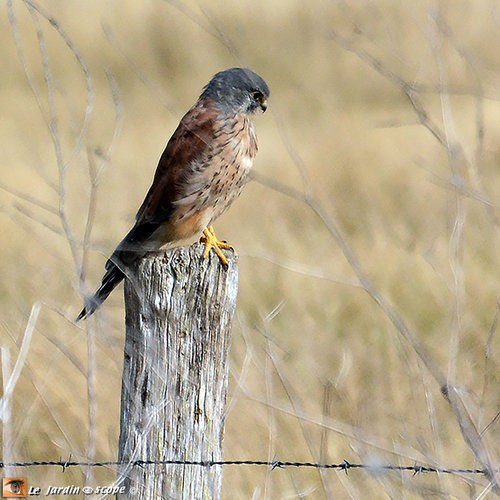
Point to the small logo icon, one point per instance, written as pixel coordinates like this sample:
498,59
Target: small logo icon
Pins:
14,487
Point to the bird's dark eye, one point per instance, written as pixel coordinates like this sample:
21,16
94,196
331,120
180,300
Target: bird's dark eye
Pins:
257,95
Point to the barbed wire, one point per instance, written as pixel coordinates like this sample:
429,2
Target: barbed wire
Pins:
273,464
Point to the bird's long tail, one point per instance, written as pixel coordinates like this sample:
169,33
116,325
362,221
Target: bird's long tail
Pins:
131,248
110,280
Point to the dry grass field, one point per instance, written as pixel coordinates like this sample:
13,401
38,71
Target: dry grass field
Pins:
369,241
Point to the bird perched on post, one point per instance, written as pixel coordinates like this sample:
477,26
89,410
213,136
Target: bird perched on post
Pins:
203,169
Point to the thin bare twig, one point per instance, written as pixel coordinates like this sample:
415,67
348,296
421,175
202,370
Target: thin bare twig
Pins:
456,159
30,199
300,268
90,214
487,369
54,134
89,98
10,384
211,28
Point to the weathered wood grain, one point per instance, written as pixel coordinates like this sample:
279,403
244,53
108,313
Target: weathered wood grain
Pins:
179,309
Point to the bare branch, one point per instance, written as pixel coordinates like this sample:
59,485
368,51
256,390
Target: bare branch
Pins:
10,384
30,199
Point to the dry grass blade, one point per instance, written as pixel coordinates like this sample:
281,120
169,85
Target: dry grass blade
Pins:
11,381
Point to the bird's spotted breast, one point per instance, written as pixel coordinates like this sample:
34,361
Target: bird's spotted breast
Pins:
233,174
218,177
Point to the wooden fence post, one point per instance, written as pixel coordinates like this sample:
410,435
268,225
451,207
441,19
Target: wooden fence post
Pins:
179,308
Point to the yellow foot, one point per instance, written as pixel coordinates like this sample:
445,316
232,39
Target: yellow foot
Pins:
210,241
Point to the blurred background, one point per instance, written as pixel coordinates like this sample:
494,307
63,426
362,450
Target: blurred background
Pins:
381,144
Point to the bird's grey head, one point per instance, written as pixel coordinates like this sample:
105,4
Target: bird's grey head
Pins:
238,89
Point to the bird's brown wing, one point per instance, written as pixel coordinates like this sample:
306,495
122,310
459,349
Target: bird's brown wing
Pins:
188,144
190,141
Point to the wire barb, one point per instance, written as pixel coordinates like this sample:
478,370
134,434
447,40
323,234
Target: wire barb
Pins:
345,465
277,463
417,469
66,463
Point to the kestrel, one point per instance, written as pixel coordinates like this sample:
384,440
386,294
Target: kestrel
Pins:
203,169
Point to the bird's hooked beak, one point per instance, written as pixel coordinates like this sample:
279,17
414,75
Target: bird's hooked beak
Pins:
263,105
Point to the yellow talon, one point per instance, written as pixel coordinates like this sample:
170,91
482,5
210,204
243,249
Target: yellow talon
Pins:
210,241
